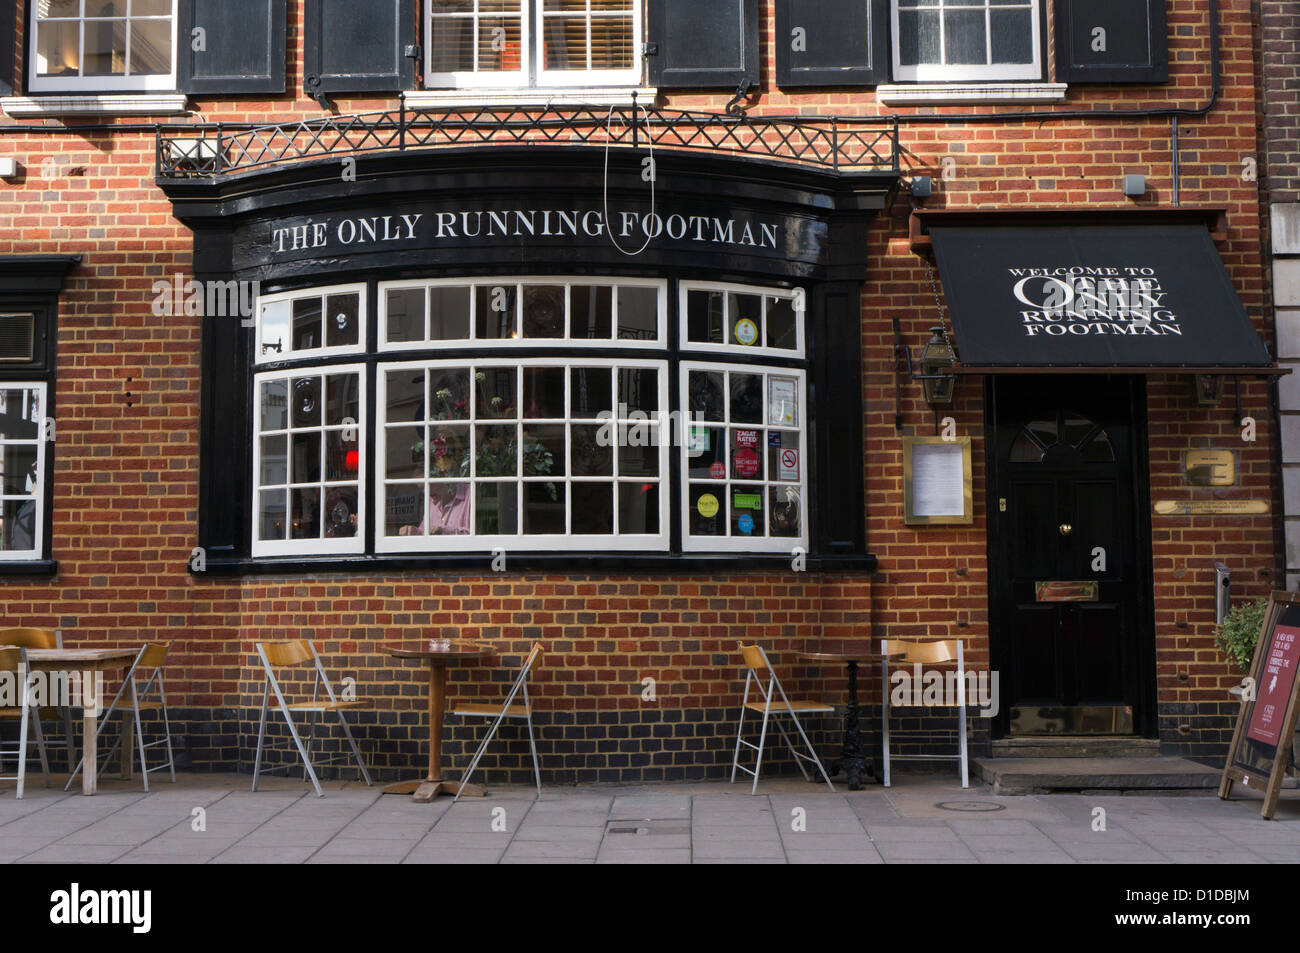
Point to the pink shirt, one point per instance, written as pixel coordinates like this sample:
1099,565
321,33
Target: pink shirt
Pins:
451,519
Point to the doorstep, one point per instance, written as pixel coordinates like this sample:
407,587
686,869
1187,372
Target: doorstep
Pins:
1114,774
1076,746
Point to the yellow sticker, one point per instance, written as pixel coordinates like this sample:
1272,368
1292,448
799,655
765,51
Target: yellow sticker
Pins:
746,332
707,505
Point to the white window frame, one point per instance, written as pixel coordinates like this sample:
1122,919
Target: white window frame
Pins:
935,72
521,542
96,84
38,535
532,60
745,544
660,341
351,545
793,294
261,356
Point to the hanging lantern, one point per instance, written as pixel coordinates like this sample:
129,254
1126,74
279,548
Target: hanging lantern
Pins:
937,358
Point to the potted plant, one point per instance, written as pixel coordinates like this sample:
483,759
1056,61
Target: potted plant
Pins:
1237,634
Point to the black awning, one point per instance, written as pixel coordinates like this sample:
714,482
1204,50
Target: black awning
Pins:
1136,297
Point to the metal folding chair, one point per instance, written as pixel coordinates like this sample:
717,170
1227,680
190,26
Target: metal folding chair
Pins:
942,653
283,655
518,711
756,660
138,700
13,669
30,638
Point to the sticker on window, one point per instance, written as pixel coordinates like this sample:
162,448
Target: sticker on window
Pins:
707,505
782,401
789,468
746,332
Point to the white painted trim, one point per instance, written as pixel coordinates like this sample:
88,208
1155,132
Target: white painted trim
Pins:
89,84
957,93
741,349
38,536
96,104
435,99
942,72
286,353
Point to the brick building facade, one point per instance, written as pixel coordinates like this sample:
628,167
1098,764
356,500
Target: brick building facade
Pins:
141,460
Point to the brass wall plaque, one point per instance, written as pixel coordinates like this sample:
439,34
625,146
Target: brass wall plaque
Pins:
1064,590
1211,507
1210,468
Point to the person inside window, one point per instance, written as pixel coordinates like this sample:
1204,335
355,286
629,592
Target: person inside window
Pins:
449,511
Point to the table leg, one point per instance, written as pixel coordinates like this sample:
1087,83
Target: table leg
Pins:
128,744
89,751
432,785
852,760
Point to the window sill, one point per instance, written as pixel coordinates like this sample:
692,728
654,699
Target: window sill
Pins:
660,563
95,104
917,94
435,99
29,567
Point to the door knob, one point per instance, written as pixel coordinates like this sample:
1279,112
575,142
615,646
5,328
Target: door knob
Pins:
1066,529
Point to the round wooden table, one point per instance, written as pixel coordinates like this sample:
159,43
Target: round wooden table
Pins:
854,759
437,658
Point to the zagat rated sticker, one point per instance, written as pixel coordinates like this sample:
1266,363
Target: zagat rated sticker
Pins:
707,504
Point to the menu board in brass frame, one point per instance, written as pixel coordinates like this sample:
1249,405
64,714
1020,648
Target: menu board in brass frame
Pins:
937,481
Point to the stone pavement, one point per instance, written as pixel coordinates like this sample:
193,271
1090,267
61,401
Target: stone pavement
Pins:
922,819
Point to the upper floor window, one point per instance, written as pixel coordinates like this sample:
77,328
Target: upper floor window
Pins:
103,45
522,43
22,468
946,40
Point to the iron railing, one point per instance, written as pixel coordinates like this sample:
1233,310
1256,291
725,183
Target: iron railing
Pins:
823,142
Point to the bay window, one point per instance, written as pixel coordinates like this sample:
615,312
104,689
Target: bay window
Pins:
528,43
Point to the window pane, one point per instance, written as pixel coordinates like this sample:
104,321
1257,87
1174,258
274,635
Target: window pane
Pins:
405,452
497,508
275,405
451,40
306,402
590,315
747,511
496,451
566,43
151,47
746,398
151,8
343,400
611,43
496,392
965,37
784,511
543,509
708,510
781,327
307,324
342,455
57,46
918,40
704,320
275,330
18,525
105,47
784,456
592,450
591,392
543,312
274,470
405,315
18,477
1013,36
304,508
449,510
448,313
706,454
638,388
544,450
341,512
638,314
449,453
449,394
306,458
271,514
544,393
705,394
500,44
495,307
106,8
746,459
638,508
593,508
59,8
404,510
642,460
342,322
745,316
405,399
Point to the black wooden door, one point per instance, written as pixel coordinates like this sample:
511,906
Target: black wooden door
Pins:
1069,573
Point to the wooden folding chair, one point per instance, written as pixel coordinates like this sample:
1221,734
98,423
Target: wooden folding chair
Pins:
14,670
286,654
522,711
30,638
151,656
942,654
756,660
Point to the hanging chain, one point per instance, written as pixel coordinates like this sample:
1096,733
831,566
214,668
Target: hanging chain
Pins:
938,301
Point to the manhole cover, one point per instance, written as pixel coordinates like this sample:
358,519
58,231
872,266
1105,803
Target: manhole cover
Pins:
970,807
648,827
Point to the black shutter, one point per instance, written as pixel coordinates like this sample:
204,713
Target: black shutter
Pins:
1111,41
8,22
351,47
243,46
831,42
701,43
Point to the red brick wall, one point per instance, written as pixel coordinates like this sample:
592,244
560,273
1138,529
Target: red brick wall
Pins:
128,402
